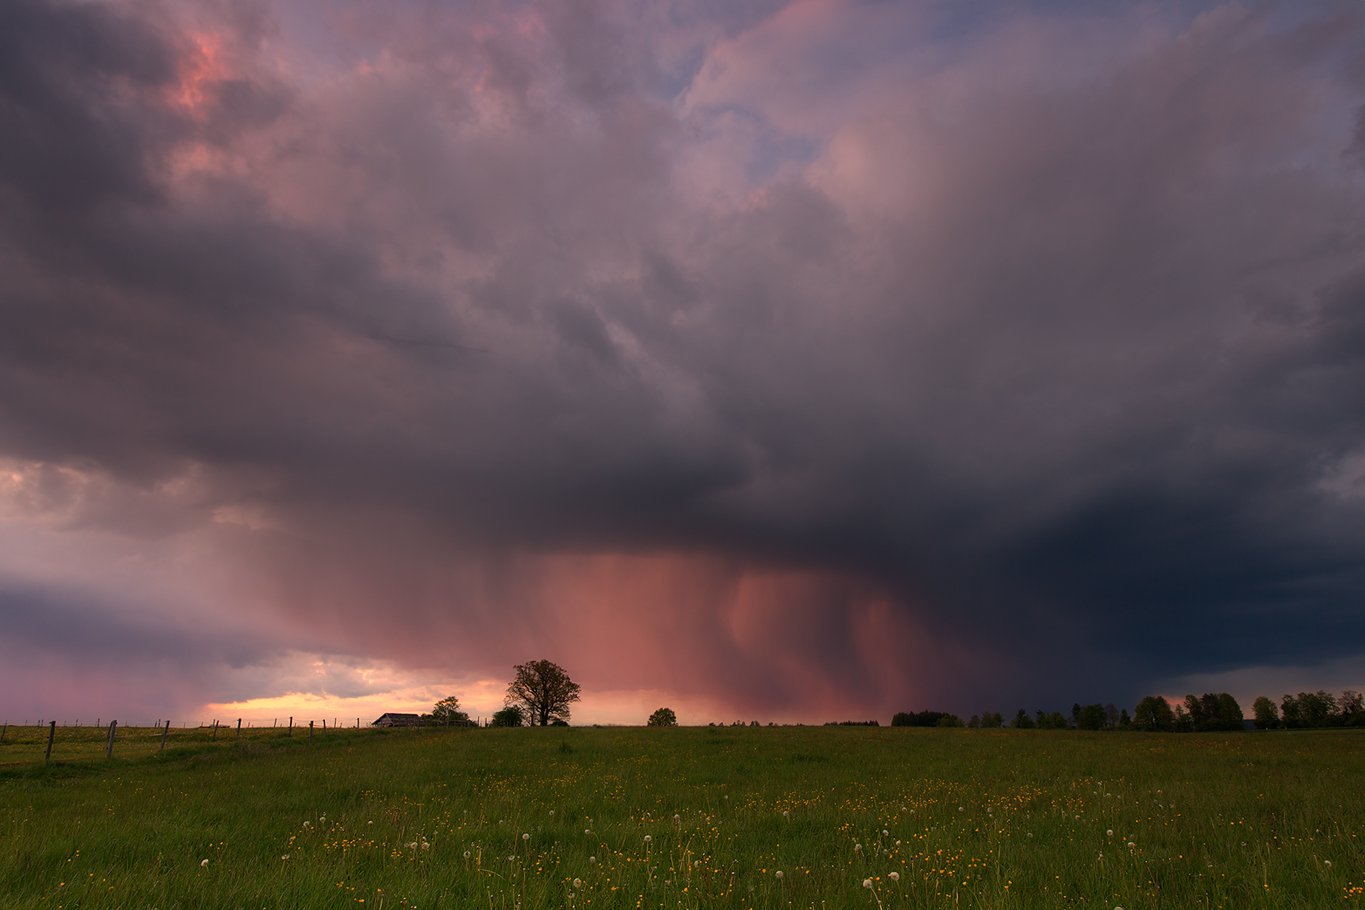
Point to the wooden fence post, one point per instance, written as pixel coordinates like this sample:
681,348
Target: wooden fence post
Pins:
113,725
310,733
51,734
239,728
164,733
3,731
291,726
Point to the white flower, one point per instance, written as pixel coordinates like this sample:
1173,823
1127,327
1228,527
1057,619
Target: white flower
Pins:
577,883
1110,832
411,846
322,818
426,846
648,838
885,833
1030,834
552,813
586,831
676,817
894,876
867,883
1131,844
526,837
857,848
779,873
204,863
592,860
961,809
786,814
369,823
466,854
286,856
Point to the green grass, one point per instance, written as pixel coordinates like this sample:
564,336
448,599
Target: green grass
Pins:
634,817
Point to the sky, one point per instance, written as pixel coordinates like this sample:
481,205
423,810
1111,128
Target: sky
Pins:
779,361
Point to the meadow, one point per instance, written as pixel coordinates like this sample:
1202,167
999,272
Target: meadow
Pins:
771,817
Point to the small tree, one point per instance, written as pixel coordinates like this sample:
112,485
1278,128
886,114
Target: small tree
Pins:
1267,715
664,717
544,690
447,711
1153,713
508,717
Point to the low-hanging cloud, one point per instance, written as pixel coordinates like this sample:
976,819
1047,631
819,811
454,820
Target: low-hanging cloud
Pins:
824,357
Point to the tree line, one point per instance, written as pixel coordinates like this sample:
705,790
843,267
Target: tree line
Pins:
1205,713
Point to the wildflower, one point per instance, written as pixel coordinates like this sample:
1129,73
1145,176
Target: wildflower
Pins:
322,818
586,831
369,823
203,864
786,814
426,846
894,876
411,846
1327,863
286,856
1030,834
886,833
1110,832
526,837
648,838
857,848
577,883
1131,844
592,861
961,809
466,854
867,883
779,873
552,813
678,818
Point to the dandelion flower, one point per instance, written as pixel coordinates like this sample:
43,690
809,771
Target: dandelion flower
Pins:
867,883
552,813
885,833
586,831
592,861
322,818
894,876
786,814
1110,832
526,837
961,809
1131,844
857,848
204,863
779,873
648,838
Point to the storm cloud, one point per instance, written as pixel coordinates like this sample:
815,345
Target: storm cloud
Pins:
796,359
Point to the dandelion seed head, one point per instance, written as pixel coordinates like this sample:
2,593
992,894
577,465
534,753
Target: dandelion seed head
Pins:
466,854
867,883
857,848
577,883
1110,832
1327,863
779,873
894,876
526,837
592,860
203,863
648,838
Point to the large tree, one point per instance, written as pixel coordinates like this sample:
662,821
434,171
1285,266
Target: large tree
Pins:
544,690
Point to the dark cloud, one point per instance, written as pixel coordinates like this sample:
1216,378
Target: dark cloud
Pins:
1023,373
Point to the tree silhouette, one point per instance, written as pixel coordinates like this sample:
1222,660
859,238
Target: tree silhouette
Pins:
544,690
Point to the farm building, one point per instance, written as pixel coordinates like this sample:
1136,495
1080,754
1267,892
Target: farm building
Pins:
398,720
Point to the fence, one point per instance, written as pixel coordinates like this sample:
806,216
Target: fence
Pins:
50,741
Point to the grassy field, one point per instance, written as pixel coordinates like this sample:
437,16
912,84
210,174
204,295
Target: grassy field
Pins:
700,817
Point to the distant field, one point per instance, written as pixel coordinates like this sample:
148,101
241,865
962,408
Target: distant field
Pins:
693,817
